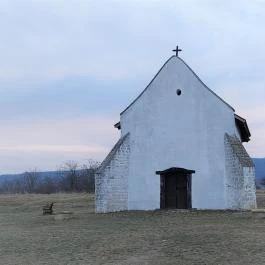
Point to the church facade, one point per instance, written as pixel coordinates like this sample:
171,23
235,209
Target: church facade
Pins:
180,147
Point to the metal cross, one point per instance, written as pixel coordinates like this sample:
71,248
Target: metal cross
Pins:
177,50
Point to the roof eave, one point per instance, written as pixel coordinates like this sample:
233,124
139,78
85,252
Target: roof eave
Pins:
243,128
117,125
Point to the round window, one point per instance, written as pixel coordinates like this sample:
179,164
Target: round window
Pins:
178,92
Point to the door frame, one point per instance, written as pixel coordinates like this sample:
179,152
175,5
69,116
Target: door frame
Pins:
175,171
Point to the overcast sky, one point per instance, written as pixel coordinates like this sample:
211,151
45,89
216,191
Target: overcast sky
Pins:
68,68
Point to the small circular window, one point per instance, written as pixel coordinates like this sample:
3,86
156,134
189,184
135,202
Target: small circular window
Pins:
178,92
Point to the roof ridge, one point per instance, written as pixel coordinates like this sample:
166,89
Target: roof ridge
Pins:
148,84
206,85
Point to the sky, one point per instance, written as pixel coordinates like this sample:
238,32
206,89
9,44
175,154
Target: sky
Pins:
68,68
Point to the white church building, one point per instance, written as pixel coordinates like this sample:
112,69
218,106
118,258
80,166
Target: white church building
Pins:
180,147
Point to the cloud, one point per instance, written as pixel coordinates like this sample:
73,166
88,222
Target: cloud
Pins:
58,132
56,39
20,161
68,68
56,148
66,98
114,39
36,143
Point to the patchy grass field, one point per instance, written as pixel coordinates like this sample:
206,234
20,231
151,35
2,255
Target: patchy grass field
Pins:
158,237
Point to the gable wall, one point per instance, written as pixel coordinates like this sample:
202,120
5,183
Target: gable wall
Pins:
186,131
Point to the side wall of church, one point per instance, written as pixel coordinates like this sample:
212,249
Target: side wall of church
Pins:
240,178
167,130
111,183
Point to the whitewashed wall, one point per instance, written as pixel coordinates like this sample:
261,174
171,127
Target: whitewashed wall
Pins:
167,130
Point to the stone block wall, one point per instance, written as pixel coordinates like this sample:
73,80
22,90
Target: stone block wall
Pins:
249,200
111,184
240,175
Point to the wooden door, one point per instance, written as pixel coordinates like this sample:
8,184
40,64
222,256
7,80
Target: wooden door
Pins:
181,191
171,191
175,191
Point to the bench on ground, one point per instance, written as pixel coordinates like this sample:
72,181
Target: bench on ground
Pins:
47,209
258,210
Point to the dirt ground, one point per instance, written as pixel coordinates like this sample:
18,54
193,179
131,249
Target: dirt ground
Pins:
155,237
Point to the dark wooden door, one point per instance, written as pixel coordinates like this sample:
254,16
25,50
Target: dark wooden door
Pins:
170,192
176,191
181,191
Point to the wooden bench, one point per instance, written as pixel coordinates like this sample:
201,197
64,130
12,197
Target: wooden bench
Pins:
48,208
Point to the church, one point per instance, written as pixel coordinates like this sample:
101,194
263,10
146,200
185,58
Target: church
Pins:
180,147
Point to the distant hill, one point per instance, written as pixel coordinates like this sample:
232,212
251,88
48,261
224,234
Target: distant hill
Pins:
51,174
259,168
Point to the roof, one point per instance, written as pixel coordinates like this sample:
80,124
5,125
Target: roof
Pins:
239,150
118,125
178,58
112,153
242,126
175,170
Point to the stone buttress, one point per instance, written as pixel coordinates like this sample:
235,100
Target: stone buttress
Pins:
112,179
240,175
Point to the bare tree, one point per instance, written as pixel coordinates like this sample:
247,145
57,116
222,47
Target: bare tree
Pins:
77,177
74,177
7,186
30,179
12,186
70,174
87,176
47,185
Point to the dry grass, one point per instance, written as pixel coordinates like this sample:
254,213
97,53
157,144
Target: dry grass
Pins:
158,237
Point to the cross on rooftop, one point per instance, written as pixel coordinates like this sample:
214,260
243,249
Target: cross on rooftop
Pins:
177,50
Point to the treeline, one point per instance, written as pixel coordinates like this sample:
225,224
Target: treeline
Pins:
71,177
